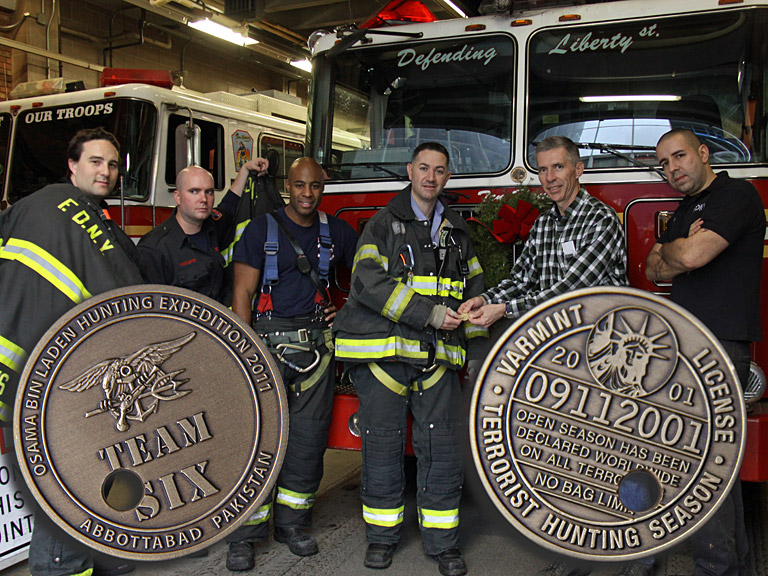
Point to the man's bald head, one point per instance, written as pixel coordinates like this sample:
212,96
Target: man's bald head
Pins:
306,163
190,171
194,197
687,135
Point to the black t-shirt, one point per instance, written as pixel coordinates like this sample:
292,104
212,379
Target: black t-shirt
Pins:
294,294
724,294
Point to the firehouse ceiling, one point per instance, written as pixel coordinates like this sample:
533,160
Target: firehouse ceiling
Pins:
280,27
276,31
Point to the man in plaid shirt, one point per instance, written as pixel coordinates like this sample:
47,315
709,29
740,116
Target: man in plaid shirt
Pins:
578,243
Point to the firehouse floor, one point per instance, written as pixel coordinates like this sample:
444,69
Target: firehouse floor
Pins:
491,546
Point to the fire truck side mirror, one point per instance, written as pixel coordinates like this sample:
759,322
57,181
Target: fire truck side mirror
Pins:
187,137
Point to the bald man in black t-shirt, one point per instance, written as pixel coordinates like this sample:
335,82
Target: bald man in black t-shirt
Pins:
712,252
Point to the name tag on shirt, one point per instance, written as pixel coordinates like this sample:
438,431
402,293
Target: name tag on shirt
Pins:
568,248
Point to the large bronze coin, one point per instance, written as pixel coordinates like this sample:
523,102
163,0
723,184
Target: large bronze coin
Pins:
150,422
607,424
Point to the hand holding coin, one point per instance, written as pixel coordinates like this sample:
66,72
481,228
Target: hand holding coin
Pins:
451,321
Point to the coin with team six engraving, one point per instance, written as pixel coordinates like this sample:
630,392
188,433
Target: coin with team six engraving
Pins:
607,424
150,422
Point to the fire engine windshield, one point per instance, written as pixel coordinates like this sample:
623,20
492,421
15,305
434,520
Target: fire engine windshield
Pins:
458,92
42,135
617,88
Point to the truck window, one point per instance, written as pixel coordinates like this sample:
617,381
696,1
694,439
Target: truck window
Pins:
42,135
458,92
624,85
288,151
211,151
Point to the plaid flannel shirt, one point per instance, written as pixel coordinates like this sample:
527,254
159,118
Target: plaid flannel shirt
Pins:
584,247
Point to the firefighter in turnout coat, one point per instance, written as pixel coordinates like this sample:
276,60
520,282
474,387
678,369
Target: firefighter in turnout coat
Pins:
58,248
403,343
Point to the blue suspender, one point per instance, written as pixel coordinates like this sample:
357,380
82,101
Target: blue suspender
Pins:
271,246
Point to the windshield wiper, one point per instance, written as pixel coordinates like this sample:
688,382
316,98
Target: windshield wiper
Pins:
351,36
614,149
373,166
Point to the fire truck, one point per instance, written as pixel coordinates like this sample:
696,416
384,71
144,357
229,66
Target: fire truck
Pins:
612,76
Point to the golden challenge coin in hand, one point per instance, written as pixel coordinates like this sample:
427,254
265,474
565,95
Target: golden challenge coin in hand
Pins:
150,422
607,424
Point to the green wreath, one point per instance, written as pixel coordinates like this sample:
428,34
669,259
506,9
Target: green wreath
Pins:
498,233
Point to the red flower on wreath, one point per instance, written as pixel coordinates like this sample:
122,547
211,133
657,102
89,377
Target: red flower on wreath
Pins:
512,223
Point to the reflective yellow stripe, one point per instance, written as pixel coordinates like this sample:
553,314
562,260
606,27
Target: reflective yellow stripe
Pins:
5,412
431,285
452,288
240,229
397,302
230,251
396,346
295,500
400,388
370,251
47,266
442,519
433,379
474,267
426,285
474,331
452,354
379,348
387,380
260,516
318,373
88,572
11,355
383,516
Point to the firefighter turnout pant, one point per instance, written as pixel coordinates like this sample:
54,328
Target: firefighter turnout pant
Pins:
310,402
387,391
54,553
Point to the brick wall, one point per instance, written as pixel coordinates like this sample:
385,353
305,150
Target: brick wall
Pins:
6,63
6,74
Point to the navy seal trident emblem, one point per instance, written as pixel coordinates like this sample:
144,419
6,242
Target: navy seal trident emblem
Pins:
129,381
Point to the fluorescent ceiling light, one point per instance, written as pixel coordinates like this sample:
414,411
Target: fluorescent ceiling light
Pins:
633,98
222,32
305,65
453,7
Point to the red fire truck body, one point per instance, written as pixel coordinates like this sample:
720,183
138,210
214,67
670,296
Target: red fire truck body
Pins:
612,76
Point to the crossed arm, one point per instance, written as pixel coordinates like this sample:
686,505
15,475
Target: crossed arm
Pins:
699,248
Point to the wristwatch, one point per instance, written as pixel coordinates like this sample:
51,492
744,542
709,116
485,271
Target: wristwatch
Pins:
508,310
